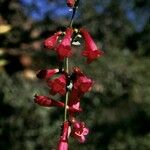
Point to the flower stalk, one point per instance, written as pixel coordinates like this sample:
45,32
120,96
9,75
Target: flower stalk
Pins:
67,59
74,12
72,84
67,93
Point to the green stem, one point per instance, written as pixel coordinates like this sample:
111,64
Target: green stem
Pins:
67,93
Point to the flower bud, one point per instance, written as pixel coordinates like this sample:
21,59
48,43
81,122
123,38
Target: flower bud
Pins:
70,3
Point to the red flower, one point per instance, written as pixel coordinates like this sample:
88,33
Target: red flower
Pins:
46,73
58,85
74,100
79,131
81,85
91,51
72,108
47,102
70,3
63,142
64,48
52,41
62,145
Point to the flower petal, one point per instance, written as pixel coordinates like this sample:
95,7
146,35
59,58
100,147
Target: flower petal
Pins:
46,73
64,48
52,40
47,102
91,51
58,85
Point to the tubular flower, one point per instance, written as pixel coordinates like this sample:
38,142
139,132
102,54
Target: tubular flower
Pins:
77,93
81,85
64,48
79,131
58,85
74,99
47,102
52,41
70,3
46,73
91,51
63,142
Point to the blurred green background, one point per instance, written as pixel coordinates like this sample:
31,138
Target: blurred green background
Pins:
117,110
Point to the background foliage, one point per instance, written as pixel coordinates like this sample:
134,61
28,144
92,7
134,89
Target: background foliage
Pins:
117,110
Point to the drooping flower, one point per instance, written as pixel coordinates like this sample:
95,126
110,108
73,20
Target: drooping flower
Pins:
74,100
79,131
91,51
70,3
46,73
58,85
63,142
64,48
51,42
81,85
47,102
81,82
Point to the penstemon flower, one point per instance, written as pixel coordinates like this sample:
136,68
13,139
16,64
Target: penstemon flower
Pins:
58,85
47,102
46,73
51,42
72,85
63,142
81,85
74,99
79,131
64,48
91,51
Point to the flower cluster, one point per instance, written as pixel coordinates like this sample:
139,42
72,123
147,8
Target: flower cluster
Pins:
63,48
60,85
71,83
